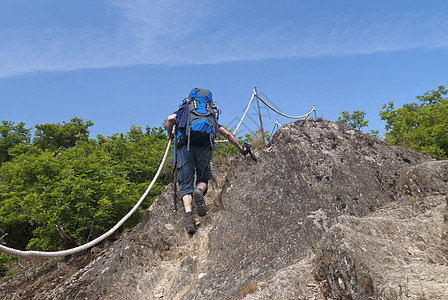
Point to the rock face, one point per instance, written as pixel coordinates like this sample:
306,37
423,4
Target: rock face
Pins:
325,213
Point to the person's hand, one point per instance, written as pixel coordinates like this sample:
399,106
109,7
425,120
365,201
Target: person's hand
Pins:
170,136
243,152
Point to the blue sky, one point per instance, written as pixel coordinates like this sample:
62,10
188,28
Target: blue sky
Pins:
130,62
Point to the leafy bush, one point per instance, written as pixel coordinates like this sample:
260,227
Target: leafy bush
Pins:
65,135
356,121
10,136
5,259
420,126
85,188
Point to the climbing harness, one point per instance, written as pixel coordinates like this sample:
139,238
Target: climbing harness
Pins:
21,253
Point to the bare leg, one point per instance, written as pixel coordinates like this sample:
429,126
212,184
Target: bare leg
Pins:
190,222
188,198
202,186
187,203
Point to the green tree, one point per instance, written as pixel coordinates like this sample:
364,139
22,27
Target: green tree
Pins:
5,259
10,136
420,126
65,135
18,178
356,121
85,189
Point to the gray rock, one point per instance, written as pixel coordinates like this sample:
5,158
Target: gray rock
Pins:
325,213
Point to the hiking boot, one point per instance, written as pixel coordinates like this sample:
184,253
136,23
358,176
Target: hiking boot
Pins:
190,224
198,197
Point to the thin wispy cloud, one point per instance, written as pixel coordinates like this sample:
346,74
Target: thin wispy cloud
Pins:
175,32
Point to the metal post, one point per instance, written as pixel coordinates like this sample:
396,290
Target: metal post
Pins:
259,115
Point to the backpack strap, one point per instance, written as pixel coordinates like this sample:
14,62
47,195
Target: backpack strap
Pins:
193,106
211,107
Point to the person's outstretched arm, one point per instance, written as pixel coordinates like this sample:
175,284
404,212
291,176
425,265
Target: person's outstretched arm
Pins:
231,139
170,121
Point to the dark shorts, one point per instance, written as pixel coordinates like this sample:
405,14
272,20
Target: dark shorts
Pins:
197,159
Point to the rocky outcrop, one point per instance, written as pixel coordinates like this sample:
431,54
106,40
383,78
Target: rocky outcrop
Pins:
325,213
394,253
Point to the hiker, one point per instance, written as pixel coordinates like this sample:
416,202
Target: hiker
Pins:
196,128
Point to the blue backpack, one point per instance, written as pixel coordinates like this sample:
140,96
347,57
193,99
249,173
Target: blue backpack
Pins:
197,120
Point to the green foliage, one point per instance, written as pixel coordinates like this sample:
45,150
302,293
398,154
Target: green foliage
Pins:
139,152
83,185
54,136
5,259
420,126
256,139
374,133
226,150
354,120
10,136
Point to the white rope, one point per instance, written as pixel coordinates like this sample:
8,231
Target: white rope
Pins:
254,93
276,123
282,114
241,121
21,253
244,115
